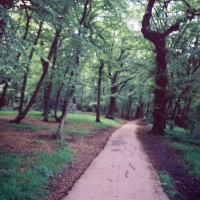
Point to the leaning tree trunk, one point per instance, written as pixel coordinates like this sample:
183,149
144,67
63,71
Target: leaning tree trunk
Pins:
57,135
32,100
25,77
48,88
98,113
45,66
158,39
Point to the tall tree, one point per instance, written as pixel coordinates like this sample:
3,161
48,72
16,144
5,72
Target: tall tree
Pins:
158,38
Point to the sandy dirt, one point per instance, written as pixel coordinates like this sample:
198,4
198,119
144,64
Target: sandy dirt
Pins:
121,171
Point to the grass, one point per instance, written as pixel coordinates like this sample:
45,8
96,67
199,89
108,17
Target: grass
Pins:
32,181
20,127
76,131
183,140
168,184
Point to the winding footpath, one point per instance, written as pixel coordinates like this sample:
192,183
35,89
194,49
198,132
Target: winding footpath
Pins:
121,171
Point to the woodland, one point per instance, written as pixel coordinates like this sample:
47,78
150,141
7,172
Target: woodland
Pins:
127,58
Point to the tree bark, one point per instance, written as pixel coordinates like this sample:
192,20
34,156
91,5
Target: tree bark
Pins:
57,135
3,95
98,113
139,111
128,107
114,90
48,89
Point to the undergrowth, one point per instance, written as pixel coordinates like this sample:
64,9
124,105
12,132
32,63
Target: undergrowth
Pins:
188,144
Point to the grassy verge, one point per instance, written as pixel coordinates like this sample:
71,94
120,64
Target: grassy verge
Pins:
186,142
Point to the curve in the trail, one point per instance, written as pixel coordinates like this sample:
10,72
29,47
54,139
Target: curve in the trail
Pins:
121,171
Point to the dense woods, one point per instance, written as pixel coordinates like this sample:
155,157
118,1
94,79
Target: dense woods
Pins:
134,58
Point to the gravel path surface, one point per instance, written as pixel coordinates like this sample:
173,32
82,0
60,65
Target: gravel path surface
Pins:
121,171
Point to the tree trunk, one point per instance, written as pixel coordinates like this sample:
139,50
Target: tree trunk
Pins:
98,110
111,108
139,111
57,135
56,105
32,100
45,65
158,39
3,95
128,108
181,121
25,77
159,112
148,108
48,89
112,103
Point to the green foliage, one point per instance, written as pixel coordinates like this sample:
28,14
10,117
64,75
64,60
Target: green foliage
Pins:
168,184
182,135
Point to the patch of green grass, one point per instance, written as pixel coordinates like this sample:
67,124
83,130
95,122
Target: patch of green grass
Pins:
9,161
32,182
61,143
55,161
90,119
22,185
76,131
191,155
8,112
168,184
20,127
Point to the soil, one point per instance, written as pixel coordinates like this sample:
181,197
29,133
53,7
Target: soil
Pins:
161,154
165,158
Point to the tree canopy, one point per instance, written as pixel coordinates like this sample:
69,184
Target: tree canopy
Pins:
134,58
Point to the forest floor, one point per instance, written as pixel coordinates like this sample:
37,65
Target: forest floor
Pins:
161,154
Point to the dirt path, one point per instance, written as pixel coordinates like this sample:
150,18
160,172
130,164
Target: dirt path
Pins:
121,171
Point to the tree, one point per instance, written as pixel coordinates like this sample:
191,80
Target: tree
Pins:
158,38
